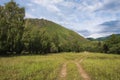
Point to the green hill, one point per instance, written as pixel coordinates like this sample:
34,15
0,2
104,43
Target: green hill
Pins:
54,36
107,37
102,38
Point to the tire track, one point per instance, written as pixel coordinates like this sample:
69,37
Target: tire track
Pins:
82,72
63,72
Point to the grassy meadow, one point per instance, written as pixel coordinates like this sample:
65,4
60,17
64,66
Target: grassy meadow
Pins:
73,73
102,66
48,67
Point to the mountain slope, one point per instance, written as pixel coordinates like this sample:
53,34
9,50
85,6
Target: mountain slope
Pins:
62,38
105,38
102,38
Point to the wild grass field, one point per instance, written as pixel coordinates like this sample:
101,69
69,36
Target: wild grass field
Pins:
62,66
102,66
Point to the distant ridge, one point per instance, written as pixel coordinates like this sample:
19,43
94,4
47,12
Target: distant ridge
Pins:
101,38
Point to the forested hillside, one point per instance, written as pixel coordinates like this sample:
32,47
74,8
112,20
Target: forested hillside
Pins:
43,36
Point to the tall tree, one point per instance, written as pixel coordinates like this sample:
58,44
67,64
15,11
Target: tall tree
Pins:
113,44
12,24
3,31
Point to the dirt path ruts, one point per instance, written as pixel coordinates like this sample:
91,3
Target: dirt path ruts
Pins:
63,71
83,74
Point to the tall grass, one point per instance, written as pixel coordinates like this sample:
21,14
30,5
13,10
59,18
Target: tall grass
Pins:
73,73
103,66
30,68
48,67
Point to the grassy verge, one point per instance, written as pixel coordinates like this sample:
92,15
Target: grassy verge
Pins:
72,71
30,68
103,66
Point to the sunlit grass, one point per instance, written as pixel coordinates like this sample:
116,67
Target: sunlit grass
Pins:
103,66
30,68
73,73
48,67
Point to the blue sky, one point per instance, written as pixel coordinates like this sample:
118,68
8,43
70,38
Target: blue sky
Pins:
89,18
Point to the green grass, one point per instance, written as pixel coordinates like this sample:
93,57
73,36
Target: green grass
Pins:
72,71
48,67
102,66
30,68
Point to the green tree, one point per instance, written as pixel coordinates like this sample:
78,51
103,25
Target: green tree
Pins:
3,31
15,20
113,44
105,48
11,27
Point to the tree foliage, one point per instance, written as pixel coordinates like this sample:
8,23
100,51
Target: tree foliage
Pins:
113,44
11,27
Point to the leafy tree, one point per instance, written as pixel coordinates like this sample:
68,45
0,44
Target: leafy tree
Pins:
113,44
105,48
3,31
11,27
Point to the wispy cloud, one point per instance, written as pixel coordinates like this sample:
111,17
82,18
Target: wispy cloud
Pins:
28,15
110,6
110,27
48,4
82,16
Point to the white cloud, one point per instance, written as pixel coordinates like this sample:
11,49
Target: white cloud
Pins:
78,15
97,35
28,15
111,6
48,4
30,4
53,8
